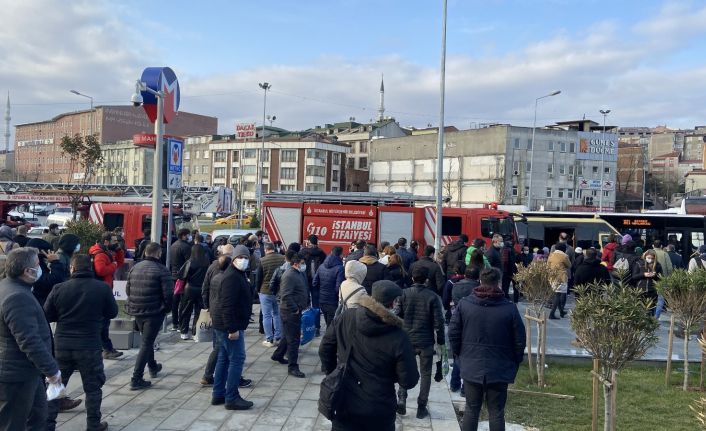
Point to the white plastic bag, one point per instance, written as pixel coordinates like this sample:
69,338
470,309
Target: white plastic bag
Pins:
55,390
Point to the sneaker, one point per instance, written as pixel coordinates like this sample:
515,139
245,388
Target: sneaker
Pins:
422,412
154,371
175,329
239,404
268,343
297,373
206,382
185,336
67,403
136,385
280,360
111,354
218,401
402,408
244,383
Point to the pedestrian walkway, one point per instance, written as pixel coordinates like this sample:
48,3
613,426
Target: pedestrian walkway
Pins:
178,402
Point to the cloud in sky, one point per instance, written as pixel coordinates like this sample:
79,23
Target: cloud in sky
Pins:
628,67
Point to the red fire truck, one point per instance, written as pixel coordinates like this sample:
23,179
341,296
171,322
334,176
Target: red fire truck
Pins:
338,219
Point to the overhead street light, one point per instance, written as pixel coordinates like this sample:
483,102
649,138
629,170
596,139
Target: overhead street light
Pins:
534,128
258,192
600,198
440,143
78,93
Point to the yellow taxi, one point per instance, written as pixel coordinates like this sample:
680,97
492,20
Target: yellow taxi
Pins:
233,220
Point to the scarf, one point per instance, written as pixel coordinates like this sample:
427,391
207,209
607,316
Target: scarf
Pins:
488,292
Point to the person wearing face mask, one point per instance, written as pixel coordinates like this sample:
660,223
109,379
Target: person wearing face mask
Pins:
79,306
69,244
149,293
107,257
493,252
526,257
53,271
26,354
230,312
645,272
293,298
179,253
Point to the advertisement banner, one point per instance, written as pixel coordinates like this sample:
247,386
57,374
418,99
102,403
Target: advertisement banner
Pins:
339,210
245,130
597,146
589,184
339,231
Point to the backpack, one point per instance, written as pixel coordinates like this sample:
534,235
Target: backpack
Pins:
343,306
3,257
331,391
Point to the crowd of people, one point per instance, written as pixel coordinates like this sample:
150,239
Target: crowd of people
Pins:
383,306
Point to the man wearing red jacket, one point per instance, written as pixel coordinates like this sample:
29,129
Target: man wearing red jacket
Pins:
107,256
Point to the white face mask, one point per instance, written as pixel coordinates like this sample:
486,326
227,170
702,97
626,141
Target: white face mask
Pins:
77,248
189,238
302,268
242,263
649,260
38,271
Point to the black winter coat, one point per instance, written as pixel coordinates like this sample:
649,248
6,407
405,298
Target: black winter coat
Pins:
355,255
193,274
54,274
179,253
293,291
645,284
328,280
394,273
462,289
79,306
489,337
217,267
25,338
454,255
232,307
436,280
494,258
382,355
590,271
376,272
421,310
149,289
314,258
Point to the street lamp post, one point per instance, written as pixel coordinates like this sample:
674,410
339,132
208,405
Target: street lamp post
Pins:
600,198
258,192
90,127
440,144
534,128
157,198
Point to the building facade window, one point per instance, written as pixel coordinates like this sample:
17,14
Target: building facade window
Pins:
312,187
550,168
265,172
526,192
233,155
549,192
570,193
595,169
219,156
561,193
606,170
550,146
187,155
334,175
516,145
572,147
219,172
289,155
205,154
514,191
363,163
249,153
529,144
288,173
363,146
528,166
571,169
197,153
315,171
516,166
204,169
562,147
562,170
234,172
266,156
336,158
249,170
287,187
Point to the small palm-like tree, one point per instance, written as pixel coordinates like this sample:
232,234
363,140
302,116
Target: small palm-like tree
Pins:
612,322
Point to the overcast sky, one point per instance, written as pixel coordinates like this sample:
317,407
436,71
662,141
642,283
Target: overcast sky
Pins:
644,60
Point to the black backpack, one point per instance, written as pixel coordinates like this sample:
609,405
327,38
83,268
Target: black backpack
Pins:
331,392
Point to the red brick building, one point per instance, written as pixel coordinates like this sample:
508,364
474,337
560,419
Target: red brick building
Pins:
38,154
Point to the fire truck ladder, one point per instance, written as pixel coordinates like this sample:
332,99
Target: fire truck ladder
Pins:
351,198
137,194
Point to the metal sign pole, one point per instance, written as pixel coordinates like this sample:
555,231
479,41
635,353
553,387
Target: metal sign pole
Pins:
170,224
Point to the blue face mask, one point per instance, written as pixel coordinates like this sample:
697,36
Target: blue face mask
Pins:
38,273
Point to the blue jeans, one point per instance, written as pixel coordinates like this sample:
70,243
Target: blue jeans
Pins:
270,315
660,306
229,367
455,382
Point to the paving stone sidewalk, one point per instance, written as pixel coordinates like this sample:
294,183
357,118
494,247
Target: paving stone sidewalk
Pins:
178,402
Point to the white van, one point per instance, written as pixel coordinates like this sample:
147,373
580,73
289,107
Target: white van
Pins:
60,216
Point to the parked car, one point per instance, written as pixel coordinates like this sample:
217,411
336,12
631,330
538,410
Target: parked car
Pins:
39,231
227,233
41,209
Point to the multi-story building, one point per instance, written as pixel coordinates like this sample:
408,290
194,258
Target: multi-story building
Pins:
38,153
630,178
125,163
197,159
290,162
498,164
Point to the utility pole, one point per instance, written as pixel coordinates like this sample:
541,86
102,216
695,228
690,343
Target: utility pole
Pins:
440,144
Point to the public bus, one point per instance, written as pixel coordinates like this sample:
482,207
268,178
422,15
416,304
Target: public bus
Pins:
686,232
542,229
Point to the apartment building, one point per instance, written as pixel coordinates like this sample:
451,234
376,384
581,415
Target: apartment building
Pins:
308,162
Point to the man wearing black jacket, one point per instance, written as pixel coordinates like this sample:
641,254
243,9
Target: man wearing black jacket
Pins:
149,296
179,253
453,255
314,257
435,277
230,313
294,298
421,310
79,307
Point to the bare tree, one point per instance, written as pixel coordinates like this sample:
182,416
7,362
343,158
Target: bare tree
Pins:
85,156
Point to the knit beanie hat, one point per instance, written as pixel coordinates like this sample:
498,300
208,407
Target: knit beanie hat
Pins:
385,292
626,239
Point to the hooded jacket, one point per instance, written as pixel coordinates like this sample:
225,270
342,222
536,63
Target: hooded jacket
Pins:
488,335
381,356
469,252
149,288
105,263
328,280
376,272
421,310
395,273
454,255
25,339
79,306
355,255
590,271
67,246
355,274
609,254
